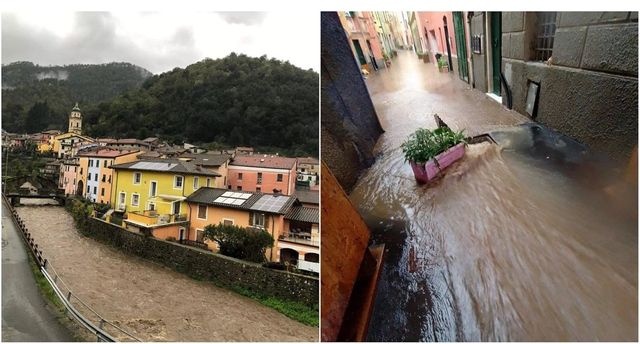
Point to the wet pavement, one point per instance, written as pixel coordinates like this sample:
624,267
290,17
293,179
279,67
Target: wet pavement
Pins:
26,317
518,241
152,302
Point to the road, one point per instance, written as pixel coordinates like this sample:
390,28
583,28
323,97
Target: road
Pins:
25,314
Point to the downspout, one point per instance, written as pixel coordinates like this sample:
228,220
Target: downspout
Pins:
274,239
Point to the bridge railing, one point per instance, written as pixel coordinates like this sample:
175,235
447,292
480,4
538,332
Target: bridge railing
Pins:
74,306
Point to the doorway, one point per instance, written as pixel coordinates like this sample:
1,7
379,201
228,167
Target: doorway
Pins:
361,59
461,45
496,51
176,208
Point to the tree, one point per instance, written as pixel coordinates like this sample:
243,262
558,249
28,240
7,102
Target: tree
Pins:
239,242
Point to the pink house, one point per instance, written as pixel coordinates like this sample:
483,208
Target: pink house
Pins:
68,175
433,34
262,173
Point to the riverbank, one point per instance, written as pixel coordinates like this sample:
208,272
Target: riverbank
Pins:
153,302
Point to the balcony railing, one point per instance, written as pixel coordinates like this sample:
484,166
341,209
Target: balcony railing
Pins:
301,238
151,217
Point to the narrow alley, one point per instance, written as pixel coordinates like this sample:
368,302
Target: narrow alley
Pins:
511,244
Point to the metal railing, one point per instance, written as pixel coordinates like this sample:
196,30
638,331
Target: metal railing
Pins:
71,302
302,238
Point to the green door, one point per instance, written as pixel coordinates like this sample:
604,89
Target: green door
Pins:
496,49
356,44
461,45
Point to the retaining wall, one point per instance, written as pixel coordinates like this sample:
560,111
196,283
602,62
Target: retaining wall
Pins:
223,271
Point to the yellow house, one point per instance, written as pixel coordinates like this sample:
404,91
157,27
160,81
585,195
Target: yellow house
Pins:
63,143
151,194
293,226
95,178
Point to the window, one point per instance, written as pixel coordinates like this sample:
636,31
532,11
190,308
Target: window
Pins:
137,177
102,192
90,162
208,182
105,164
202,212
258,220
152,206
95,190
227,222
177,182
135,200
229,187
199,235
239,188
95,177
195,183
153,188
279,177
259,178
258,189
89,176
239,176
546,31
88,189
109,181
104,178
80,170
123,197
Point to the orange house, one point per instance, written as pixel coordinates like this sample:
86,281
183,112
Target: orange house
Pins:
262,173
278,214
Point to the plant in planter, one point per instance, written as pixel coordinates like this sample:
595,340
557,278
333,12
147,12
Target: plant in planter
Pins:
431,151
442,64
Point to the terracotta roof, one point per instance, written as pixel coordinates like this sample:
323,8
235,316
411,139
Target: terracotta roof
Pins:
268,161
303,214
213,160
308,196
308,160
107,153
165,165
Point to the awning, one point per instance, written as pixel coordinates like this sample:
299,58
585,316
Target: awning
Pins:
172,197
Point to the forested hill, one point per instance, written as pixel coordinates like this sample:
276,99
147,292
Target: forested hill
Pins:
236,100
50,91
232,101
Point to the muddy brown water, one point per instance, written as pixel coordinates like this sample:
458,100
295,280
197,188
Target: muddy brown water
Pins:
511,244
150,301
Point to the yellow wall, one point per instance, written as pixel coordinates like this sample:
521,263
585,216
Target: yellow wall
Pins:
122,181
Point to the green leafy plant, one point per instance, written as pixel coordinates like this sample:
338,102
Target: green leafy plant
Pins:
239,242
424,144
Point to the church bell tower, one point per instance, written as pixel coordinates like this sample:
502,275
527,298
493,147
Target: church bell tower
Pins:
75,120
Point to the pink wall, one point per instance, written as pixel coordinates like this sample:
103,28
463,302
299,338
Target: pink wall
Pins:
249,180
375,43
433,21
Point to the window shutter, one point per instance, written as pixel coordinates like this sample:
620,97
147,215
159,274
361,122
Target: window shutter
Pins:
266,221
250,219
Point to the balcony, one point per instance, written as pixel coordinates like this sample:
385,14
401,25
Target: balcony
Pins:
150,218
304,238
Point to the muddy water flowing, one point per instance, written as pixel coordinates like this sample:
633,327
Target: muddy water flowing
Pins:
511,244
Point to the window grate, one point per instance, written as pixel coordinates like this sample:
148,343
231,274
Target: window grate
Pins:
545,35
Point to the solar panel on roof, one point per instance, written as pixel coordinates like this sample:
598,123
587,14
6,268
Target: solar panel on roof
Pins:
227,194
245,196
270,203
233,198
220,199
155,166
238,201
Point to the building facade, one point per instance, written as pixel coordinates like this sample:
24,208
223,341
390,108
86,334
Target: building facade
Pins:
262,173
294,227
363,39
151,194
575,72
96,183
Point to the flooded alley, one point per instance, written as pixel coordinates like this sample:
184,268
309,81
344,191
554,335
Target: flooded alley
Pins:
150,301
519,241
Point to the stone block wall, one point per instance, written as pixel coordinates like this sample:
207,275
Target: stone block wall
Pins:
589,90
478,60
223,271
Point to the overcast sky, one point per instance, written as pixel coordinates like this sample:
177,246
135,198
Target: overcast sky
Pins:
159,41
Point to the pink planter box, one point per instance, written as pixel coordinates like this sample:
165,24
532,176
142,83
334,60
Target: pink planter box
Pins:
427,172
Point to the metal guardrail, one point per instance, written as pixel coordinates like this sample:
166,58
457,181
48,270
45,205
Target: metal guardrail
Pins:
64,293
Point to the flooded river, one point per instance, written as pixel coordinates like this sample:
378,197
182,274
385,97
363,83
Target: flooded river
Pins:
518,241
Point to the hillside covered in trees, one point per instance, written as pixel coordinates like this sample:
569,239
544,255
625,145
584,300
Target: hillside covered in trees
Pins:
37,97
233,101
